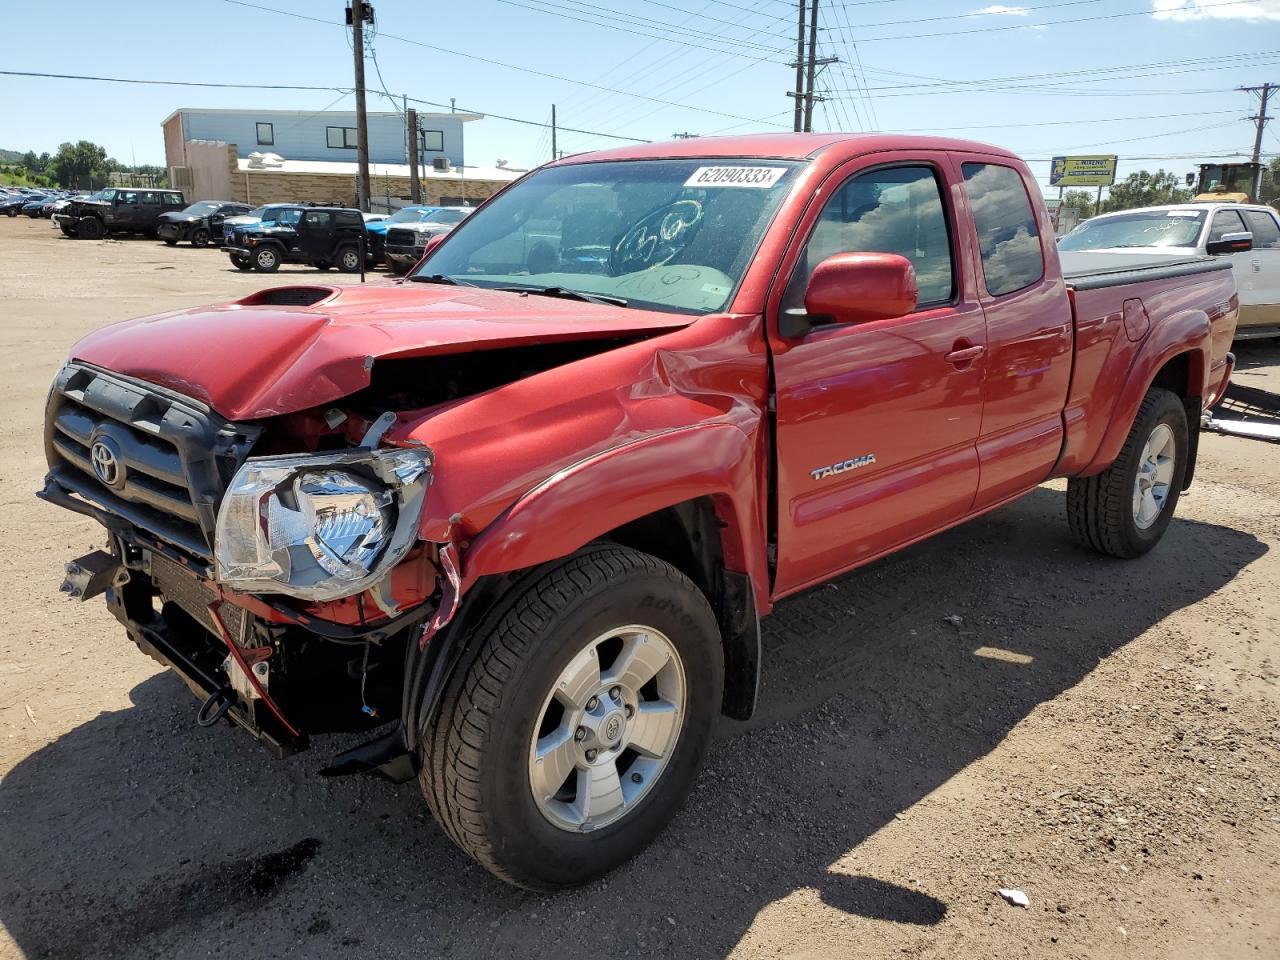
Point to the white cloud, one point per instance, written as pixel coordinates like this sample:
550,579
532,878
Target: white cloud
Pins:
1000,10
1216,10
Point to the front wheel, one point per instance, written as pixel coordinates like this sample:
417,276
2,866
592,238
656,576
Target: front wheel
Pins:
1125,510
200,238
266,260
91,228
242,263
576,728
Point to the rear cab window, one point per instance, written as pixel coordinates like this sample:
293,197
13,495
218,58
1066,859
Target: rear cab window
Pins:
1266,233
1008,237
889,210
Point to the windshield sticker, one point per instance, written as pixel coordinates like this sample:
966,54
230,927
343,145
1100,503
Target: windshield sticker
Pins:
760,177
1182,213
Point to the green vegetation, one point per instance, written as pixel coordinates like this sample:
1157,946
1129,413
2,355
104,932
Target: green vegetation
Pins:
76,166
1145,189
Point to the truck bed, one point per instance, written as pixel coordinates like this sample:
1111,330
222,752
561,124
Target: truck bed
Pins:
1093,271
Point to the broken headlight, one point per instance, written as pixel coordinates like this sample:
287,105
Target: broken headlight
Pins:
319,527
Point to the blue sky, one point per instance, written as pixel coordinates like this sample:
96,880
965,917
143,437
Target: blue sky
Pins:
1150,80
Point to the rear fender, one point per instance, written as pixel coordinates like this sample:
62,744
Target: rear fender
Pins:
1188,334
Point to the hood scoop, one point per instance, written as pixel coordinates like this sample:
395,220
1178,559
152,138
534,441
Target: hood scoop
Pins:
288,297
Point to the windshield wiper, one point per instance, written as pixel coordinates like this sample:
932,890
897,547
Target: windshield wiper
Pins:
568,294
441,278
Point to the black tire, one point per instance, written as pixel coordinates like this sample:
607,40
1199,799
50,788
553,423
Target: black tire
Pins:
66,231
347,258
12,211
1100,509
323,265
170,241
90,228
200,237
266,259
474,753
242,263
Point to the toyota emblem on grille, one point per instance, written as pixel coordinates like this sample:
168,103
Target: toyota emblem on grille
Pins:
106,462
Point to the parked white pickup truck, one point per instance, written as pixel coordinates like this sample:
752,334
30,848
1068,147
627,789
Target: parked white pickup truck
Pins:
1191,230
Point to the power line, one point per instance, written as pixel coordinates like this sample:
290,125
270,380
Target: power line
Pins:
1045,23
498,63
345,91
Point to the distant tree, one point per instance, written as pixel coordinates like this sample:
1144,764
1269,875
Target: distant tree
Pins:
1081,201
1146,189
1271,182
77,163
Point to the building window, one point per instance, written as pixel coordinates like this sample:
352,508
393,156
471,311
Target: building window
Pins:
341,138
266,136
430,141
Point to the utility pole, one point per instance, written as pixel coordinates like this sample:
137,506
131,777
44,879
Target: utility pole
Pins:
811,66
799,91
357,16
554,155
1260,122
411,130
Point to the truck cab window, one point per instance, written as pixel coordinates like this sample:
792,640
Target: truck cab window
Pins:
896,210
1007,234
1266,235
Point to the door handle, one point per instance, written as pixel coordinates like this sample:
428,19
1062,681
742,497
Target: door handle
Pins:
965,354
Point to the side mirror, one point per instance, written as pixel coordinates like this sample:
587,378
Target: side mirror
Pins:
854,288
1237,242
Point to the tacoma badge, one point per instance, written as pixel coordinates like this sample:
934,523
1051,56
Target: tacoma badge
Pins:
823,472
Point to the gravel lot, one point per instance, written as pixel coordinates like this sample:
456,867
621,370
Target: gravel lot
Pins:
1099,734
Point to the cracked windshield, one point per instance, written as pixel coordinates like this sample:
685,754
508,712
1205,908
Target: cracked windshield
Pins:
669,235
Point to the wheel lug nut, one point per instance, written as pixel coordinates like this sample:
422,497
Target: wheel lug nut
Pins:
580,734
591,756
631,711
593,703
615,693
636,778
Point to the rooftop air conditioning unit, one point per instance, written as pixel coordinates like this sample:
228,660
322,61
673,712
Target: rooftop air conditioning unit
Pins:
441,164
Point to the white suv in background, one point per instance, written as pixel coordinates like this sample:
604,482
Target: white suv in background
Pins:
1189,230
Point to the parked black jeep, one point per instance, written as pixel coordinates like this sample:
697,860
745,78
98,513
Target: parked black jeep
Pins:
117,210
321,236
201,223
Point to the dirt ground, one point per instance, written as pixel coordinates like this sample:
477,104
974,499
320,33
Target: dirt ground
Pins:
1102,735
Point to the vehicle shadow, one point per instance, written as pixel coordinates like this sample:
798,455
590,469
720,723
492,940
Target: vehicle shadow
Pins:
138,834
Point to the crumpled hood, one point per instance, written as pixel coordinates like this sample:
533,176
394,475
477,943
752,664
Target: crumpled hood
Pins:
257,358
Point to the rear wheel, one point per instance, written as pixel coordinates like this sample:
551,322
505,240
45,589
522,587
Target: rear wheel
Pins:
576,728
1125,510
348,259
12,211
200,238
266,260
91,228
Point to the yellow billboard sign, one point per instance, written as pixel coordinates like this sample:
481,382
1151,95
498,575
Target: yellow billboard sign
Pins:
1096,171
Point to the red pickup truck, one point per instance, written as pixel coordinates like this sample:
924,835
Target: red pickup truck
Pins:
520,514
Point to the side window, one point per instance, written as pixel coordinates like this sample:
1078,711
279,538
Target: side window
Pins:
127,196
1008,238
318,219
150,198
172,200
1225,221
1266,235
289,216
896,210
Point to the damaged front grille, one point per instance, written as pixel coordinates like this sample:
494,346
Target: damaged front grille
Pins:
399,237
155,458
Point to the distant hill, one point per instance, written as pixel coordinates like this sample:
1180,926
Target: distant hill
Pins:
11,156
